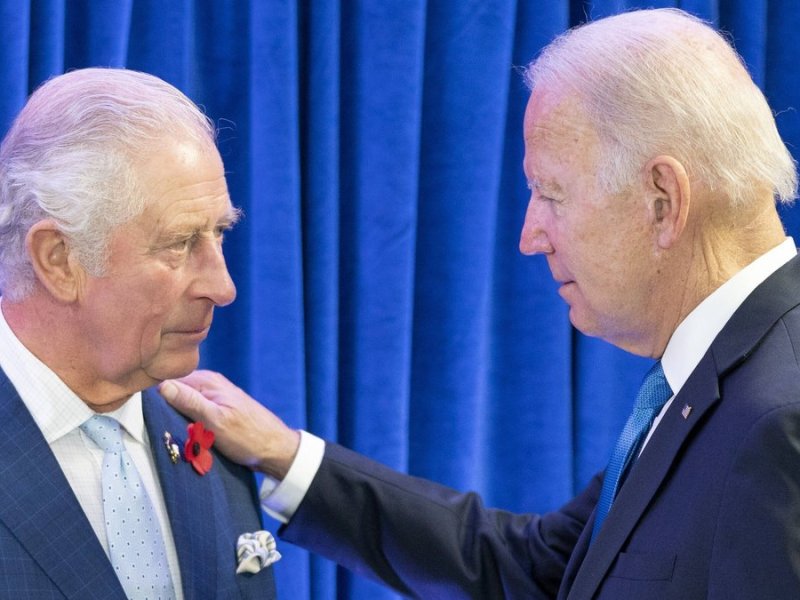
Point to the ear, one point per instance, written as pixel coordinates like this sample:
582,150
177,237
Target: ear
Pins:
56,267
668,198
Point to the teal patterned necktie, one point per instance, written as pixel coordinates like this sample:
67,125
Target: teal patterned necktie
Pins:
135,544
652,396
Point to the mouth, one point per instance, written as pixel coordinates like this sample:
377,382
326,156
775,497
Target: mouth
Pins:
564,286
198,333
194,335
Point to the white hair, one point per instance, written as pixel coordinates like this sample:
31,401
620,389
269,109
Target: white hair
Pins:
71,156
664,82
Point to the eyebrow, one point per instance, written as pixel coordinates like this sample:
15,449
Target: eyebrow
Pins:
188,228
230,218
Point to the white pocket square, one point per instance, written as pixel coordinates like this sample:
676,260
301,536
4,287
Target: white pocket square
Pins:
254,551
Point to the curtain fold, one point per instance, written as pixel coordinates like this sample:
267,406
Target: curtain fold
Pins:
375,149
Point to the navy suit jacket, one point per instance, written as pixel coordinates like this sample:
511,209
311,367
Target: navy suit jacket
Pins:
711,509
49,550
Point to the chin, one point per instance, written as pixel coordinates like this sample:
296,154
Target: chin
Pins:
583,324
173,367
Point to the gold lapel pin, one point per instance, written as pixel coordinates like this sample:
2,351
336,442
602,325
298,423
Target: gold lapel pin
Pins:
687,410
173,449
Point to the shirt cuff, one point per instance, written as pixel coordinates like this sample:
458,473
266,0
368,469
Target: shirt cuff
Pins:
280,499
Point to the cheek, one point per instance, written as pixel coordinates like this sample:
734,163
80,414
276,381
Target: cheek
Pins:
145,314
624,281
150,338
602,269
153,325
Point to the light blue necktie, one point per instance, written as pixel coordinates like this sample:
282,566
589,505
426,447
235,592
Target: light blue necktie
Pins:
135,544
652,396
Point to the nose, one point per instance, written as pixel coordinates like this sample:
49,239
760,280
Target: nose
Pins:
215,281
533,238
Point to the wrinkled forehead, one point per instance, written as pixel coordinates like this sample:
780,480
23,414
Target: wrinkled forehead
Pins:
556,117
557,130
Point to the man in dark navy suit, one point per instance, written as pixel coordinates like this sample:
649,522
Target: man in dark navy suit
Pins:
113,204
654,165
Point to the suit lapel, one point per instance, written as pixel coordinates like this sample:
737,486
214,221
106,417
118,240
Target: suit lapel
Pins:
187,496
762,309
38,507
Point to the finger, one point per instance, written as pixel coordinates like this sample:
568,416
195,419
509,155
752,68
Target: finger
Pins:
197,379
186,400
211,384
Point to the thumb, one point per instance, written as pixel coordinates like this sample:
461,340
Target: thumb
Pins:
185,400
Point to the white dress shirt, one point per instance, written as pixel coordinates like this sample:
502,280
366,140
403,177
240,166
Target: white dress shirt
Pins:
693,337
683,353
59,413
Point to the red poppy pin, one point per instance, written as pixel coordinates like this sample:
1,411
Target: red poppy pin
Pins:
196,448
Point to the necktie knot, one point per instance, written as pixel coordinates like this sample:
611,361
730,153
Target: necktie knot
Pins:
654,391
105,432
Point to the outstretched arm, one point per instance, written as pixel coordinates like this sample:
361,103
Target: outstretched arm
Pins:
416,536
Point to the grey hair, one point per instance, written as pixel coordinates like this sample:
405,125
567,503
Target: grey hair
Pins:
71,156
664,82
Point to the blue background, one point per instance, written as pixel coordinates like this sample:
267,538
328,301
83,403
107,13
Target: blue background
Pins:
376,149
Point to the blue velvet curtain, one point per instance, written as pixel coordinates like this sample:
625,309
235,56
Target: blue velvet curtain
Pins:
375,147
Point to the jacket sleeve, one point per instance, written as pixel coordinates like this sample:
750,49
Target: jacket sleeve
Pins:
428,541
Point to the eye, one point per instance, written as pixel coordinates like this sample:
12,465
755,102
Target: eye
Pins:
220,230
183,245
536,189
544,198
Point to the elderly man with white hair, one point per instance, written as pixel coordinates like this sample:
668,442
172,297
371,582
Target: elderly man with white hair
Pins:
655,166
113,204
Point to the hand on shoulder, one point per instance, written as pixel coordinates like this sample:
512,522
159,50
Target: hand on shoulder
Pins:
246,431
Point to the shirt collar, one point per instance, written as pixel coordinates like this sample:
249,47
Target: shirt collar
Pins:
697,331
55,408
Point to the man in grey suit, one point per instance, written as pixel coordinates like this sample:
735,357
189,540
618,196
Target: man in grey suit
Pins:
113,205
654,165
